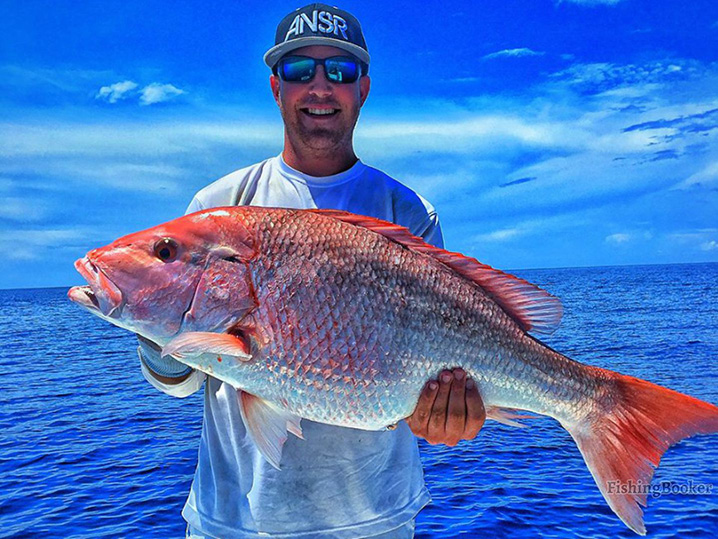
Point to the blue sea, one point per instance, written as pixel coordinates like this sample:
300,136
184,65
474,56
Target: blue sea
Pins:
89,449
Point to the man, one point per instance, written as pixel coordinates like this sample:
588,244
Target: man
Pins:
337,482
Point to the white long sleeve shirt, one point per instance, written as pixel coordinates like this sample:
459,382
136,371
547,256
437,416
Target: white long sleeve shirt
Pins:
337,482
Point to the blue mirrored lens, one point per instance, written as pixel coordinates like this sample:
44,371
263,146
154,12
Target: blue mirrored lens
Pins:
297,69
341,69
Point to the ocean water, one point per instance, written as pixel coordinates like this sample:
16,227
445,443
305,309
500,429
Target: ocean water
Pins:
89,449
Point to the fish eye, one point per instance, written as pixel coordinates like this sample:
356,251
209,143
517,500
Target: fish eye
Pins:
166,249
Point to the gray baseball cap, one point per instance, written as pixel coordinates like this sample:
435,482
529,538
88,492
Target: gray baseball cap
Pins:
318,24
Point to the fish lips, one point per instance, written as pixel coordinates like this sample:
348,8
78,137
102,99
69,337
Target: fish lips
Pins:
101,294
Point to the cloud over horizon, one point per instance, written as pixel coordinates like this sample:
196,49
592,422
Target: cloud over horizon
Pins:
512,53
157,93
115,92
149,95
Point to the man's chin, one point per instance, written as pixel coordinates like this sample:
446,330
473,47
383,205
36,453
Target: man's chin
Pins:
321,139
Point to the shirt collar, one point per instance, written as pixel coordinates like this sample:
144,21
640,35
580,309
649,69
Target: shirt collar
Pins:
324,181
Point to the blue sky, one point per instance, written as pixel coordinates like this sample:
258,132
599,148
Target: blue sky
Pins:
546,133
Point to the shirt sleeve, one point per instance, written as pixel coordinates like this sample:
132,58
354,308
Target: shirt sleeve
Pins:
184,389
194,205
432,231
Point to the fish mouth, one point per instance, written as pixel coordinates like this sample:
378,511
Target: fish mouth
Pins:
83,295
100,295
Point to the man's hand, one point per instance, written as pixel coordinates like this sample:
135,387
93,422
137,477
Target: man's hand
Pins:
449,410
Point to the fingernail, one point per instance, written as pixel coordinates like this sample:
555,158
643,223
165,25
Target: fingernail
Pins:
459,374
433,385
446,377
469,384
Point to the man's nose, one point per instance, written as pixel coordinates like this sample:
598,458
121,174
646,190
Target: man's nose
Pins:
319,85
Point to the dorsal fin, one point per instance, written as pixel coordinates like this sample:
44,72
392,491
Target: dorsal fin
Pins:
531,307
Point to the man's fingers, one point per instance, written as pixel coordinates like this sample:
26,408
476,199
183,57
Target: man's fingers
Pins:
456,418
419,420
475,412
437,421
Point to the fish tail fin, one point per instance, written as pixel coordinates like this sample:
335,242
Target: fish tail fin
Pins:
624,442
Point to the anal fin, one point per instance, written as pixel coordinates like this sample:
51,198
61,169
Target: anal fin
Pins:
267,425
506,416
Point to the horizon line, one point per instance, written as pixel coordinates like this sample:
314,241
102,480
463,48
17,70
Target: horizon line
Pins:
504,270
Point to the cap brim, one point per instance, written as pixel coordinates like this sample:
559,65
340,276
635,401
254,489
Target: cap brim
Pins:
272,56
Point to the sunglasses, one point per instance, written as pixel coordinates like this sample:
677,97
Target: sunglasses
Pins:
338,69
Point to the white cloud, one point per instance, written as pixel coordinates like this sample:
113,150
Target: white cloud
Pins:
149,95
706,176
116,92
487,132
498,235
513,53
157,93
464,79
604,76
700,235
695,240
618,238
626,237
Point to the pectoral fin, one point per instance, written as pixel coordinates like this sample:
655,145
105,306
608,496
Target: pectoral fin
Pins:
196,343
267,425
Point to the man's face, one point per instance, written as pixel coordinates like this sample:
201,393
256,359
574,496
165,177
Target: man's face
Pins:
301,104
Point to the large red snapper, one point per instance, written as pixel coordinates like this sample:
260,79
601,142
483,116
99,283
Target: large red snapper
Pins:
342,319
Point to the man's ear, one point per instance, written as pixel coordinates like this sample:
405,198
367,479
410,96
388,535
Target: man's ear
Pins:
274,83
364,85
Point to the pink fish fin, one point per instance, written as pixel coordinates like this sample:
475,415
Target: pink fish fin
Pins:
195,343
531,307
267,425
507,416
623,443
294,426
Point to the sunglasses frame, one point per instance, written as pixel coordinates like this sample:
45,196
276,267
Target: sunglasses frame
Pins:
362,68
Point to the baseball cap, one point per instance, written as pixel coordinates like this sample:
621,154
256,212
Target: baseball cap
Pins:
318,24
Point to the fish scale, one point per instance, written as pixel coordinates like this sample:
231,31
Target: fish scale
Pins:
342,319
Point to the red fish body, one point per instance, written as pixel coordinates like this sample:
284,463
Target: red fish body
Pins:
342,319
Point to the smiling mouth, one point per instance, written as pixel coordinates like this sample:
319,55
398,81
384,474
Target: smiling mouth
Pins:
314,112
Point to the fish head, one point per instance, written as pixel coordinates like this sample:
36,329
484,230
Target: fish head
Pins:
146,282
